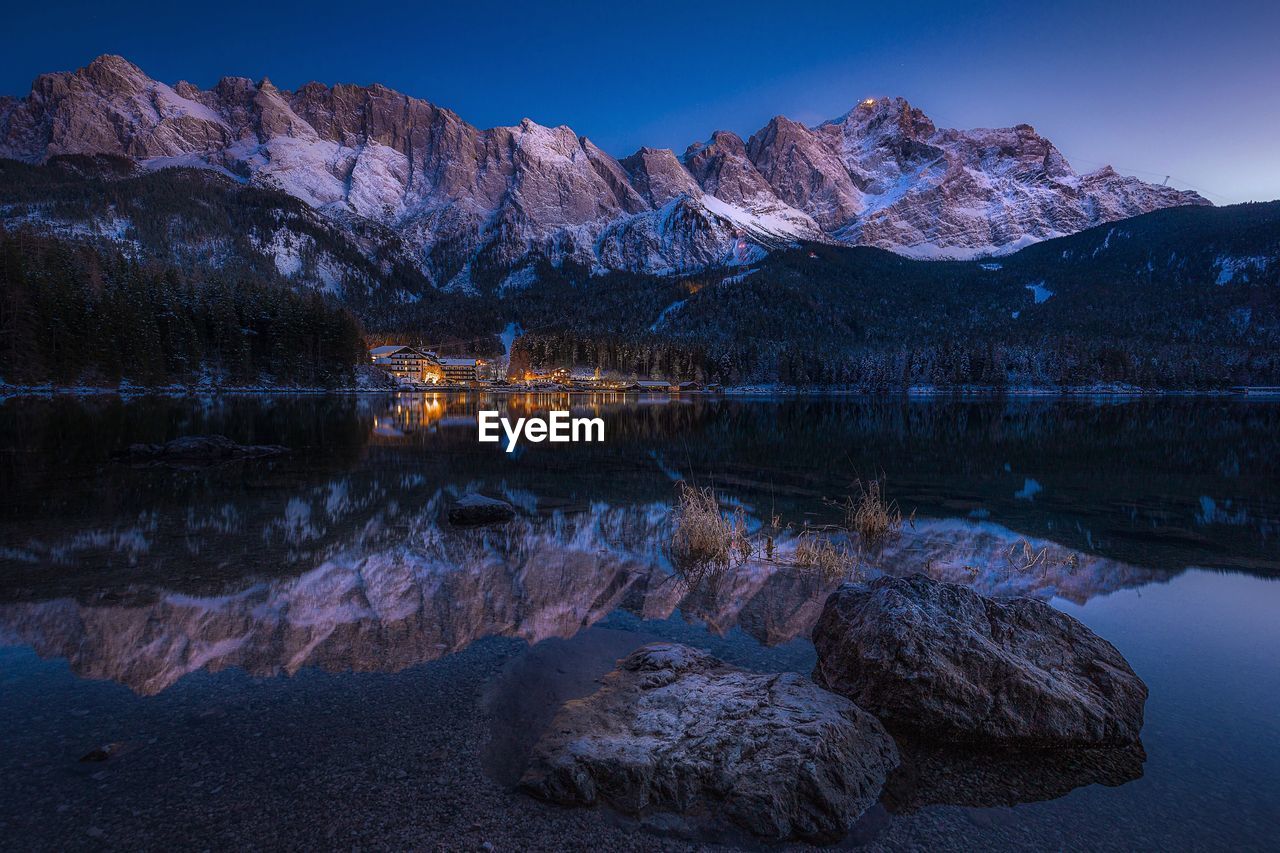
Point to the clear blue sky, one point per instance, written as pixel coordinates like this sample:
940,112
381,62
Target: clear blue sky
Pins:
1155,88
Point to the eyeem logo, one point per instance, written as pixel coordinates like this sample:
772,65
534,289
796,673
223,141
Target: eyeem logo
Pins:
559,427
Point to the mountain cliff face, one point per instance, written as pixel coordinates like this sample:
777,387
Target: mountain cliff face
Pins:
483,206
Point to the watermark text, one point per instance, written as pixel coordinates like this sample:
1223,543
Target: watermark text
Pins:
558,426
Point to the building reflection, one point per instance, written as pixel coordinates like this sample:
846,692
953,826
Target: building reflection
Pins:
407,414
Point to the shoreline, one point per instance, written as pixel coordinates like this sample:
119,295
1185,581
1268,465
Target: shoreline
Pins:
738,392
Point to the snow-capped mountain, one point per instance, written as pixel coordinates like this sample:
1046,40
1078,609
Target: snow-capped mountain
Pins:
473,205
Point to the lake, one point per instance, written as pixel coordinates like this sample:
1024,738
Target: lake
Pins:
300,651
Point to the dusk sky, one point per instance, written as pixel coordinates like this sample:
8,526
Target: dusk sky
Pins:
1190,90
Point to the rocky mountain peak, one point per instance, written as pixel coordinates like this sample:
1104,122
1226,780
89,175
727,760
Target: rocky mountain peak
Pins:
722,168
114,74
659,176
878,115
882,174
805,173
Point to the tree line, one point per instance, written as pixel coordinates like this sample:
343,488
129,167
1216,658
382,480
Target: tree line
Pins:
1061,361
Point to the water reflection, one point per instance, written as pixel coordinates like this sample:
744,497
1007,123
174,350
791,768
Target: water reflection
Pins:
374,607
336,555
1163,484
931,775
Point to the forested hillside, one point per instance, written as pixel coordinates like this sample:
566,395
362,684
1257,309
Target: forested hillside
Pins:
1179,299
73,315
202,219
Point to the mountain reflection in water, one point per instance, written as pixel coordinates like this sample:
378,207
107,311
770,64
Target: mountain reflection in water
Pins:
534,578
337,556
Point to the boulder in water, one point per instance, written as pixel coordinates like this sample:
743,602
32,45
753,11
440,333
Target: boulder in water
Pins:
674,733
941,661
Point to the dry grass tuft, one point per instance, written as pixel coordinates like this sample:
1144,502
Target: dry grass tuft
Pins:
704,540
870,515
1022,557
823,556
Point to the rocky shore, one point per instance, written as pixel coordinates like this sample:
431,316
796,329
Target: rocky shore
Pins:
994,703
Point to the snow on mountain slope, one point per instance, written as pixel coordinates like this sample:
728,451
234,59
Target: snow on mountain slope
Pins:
689,233
930,192
471,205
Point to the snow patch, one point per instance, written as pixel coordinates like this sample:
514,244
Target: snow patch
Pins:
1030,488
1040,292
666,312
769,222
461,283
1106,242
190,161
519,279
508,337
170,105
937,252
738,278
1229,267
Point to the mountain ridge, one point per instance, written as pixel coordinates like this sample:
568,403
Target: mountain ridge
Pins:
1182,298
480,209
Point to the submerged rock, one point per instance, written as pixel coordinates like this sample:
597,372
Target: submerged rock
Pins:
200,448
107,751
675,731
942,661
477,509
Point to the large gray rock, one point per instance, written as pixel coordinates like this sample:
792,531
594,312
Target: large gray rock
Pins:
674,730
942,661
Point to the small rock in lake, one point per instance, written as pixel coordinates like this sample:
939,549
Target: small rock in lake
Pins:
199,449
477,509
674,730
946,663
105,751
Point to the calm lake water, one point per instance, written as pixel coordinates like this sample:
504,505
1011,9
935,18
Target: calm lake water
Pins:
300,652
